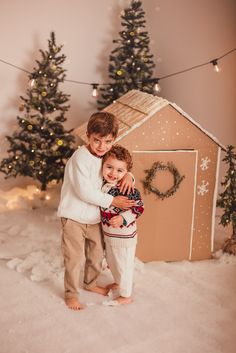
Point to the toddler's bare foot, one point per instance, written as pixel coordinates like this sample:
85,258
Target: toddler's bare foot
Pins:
73,304
98,290
123,300
112,286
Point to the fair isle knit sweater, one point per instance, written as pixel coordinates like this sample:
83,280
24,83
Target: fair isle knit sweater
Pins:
126,234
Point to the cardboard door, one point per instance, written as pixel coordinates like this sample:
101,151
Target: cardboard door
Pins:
165,229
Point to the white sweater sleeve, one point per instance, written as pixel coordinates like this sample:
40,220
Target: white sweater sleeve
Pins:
83,185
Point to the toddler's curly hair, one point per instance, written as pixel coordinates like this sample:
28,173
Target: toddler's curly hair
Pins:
121,153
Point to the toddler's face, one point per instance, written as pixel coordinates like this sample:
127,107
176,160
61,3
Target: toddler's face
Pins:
113,170
100,145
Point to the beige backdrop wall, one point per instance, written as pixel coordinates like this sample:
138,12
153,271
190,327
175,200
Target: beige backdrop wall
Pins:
183,33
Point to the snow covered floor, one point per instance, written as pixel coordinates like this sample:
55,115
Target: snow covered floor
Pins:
179,307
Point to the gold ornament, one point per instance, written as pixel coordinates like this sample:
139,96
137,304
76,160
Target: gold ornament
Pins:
31,163
60,142
30,127
132,34
53,67
43,94
119,72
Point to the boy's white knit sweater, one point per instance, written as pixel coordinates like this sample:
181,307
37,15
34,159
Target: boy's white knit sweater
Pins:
81,193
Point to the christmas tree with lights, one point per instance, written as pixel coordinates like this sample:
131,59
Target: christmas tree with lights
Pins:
227,199
131,65
41,146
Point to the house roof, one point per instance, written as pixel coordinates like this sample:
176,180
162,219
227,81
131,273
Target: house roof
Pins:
134,108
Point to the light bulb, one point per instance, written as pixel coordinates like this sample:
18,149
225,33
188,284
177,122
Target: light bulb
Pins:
157,87
95,90
32,83
215,65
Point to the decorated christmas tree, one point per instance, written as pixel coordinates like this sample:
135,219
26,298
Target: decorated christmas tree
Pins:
227,199
41,146
131,65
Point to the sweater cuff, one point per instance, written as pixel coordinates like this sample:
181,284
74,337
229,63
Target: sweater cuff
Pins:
106,203
128,216
133,178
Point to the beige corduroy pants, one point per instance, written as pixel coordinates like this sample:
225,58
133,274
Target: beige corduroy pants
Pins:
81,246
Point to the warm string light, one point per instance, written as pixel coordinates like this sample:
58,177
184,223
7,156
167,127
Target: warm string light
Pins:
95,89
155,81
215,65
42,195
157,87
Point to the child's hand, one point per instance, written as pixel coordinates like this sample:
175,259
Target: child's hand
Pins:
126,184
123,202
116,221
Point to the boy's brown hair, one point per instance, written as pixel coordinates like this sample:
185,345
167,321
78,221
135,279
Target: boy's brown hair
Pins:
120,153
103,124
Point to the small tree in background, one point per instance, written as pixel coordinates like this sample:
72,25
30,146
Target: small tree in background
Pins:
227,199
41,146
131,65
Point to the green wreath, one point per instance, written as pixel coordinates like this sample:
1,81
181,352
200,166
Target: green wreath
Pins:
151,173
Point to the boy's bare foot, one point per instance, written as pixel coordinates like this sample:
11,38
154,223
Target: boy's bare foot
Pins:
123,300
73,304
98,290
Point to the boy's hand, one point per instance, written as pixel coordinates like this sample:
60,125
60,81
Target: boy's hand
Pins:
116,221
126,184
123,202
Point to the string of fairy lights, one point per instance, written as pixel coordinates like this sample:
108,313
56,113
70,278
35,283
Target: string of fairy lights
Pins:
156,80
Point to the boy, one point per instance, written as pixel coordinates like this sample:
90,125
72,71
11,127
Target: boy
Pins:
81,197
119,226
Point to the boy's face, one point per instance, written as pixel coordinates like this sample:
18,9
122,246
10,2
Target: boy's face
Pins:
100,145
113,170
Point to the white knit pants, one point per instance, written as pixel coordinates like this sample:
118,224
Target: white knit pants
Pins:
121,263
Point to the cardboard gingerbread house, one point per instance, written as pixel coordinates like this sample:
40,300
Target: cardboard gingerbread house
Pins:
176,164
